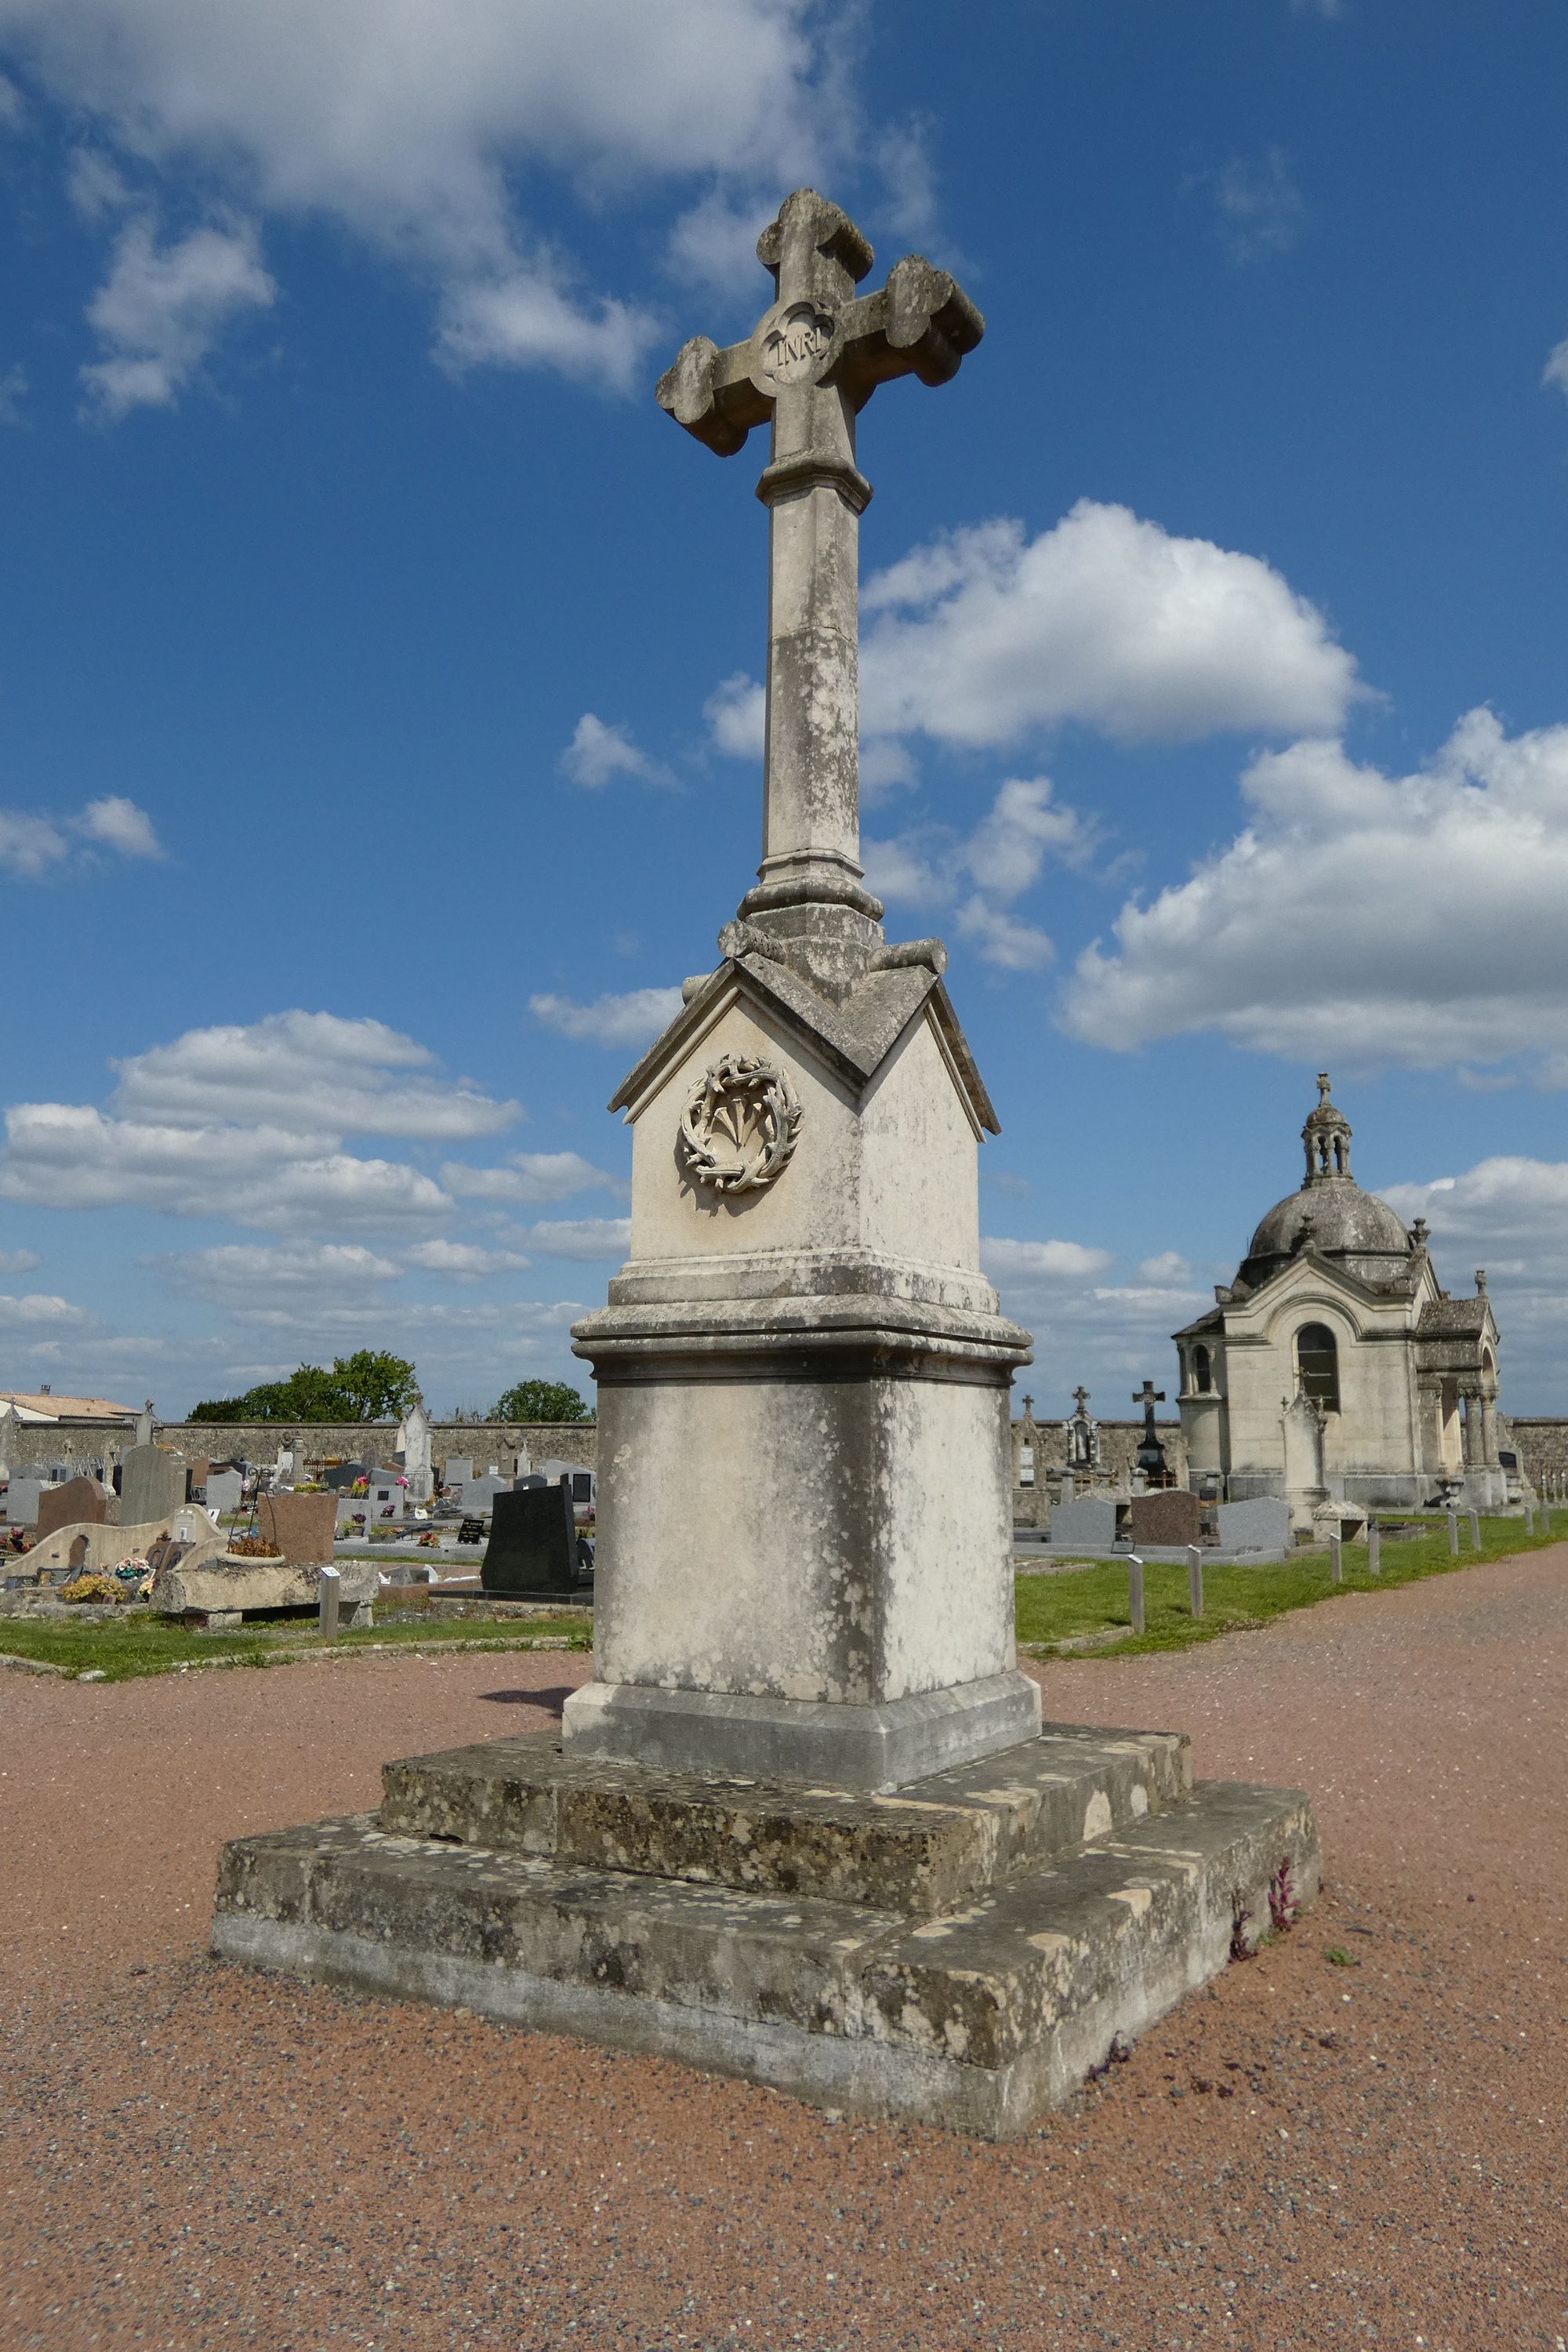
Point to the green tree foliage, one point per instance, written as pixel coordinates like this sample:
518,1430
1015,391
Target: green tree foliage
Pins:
541,1401
369,1385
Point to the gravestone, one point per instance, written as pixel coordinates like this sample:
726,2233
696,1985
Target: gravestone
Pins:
81,1501
1262,1524
22,1501
385,1499
480,1493
341,1474
224,1490
301,1526
533,1542
152,1483
414,1443
1168,1515
1090,1520
456,1473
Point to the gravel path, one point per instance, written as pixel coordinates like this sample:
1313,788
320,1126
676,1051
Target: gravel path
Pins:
1308,2155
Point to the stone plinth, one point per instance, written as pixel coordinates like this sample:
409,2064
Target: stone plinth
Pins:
206,1585
963,1954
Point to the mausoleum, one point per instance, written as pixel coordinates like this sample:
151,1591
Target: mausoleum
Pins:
1334,1365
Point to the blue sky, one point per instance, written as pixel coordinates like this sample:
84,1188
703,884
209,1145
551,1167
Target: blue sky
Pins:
376,723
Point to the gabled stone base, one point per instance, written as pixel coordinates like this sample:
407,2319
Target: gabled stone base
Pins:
961,1952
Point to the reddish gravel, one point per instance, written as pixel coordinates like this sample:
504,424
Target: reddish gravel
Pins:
1308,2155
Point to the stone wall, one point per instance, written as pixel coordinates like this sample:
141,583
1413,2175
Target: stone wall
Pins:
1540,1440
32,1451
1118,1443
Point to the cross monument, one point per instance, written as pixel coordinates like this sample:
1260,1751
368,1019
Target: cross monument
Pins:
807,367
804,1565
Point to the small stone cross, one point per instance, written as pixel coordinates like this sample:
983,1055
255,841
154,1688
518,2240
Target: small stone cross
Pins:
1080,1398
1149,1396
808,367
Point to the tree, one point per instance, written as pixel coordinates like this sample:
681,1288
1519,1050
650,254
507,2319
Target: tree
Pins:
541,1401
369,1385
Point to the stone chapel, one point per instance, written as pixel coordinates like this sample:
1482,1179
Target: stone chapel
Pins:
1334,1364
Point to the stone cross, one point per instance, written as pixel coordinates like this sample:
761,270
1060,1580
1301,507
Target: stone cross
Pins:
1149,1396
807,367
1080,1398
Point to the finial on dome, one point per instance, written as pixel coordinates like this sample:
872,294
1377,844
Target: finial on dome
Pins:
1326,1136
1322,1087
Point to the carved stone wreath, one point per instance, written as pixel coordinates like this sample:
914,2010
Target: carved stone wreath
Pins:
740,1124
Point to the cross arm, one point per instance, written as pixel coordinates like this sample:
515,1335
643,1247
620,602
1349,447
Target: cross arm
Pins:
922,322
710,392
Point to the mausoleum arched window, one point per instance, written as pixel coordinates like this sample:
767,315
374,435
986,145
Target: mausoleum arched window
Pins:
1318,1365
1202,1374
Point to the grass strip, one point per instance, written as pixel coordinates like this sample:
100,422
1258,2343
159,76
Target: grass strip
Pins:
1085,1611
121,1649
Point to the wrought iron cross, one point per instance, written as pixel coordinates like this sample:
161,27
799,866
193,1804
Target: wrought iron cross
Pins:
809,366
1149,1396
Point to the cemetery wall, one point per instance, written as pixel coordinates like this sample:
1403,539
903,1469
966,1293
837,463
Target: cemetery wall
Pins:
1118,1443
31,1450
482,1442
1541,1441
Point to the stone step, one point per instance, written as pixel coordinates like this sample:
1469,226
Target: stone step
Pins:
918,1852
978,2019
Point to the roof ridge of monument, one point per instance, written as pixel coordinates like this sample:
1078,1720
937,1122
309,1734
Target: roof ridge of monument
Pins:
854,1037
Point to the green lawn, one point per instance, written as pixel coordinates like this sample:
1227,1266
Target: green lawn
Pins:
120,1648
1079,1604
1091,1603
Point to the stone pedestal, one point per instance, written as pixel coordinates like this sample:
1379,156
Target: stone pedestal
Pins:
962,1956
804,1489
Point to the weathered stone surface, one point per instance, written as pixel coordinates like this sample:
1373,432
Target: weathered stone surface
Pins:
920,1852
1261,1524
977,2015
201,1585
107,1545
1088,1519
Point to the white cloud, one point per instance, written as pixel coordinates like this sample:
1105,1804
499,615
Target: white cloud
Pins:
13,392
714,243
629,1020
38,1312
597,751
982,636
29,844
20,1261
909,176
413,129
587,1238
161,310
71,1155
736,712
1555,372
249,1273
1005,854
1169,1269
1510,1214
1261,210
1414,919
463,1261
531,1178
1004,939
119,824
309,1072
94,186
1040,1261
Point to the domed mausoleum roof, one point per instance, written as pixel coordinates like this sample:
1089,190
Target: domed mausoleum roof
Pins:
1330,1215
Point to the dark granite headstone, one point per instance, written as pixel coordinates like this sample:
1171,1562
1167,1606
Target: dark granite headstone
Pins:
533,1542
